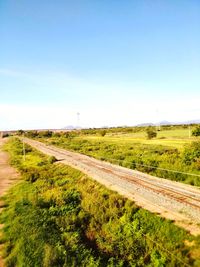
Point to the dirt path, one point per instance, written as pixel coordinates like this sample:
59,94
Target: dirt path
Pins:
8,176
172,200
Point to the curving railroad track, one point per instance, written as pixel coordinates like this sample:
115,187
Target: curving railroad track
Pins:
173,200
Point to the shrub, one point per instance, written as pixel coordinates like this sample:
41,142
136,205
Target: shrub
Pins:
191,153
196,131
103,133
31,174
52,159
151,133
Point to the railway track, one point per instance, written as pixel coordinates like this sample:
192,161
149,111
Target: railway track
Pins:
192,200
171,199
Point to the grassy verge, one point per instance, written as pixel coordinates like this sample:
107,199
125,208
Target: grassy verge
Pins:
57,216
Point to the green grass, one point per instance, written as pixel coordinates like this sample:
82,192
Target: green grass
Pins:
57,216
177,133
174,138
131,141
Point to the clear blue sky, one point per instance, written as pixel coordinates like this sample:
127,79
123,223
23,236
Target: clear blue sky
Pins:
115,62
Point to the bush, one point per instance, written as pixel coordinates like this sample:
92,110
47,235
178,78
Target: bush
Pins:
45,133
196,131
191,153
31,134
31,174
151,133
52,159
103,133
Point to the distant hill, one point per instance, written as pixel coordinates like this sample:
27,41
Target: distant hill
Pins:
165,123
169,123
145,124
189,122
71,127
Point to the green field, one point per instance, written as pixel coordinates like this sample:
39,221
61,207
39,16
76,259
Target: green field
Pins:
174,138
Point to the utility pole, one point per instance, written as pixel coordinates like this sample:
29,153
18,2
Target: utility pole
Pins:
24,150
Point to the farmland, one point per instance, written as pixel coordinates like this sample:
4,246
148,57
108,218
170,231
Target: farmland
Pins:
173,138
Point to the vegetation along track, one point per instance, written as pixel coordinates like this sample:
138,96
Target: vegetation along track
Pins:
172,200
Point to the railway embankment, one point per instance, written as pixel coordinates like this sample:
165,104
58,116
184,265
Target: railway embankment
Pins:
172,200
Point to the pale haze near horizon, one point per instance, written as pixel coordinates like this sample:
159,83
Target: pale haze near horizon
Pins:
114,63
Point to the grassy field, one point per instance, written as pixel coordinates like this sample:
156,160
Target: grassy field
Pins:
57,216
173,138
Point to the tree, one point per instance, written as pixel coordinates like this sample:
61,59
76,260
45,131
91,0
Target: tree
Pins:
103,133
20,132
151,133
196,131
191,153
46,133
31,134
